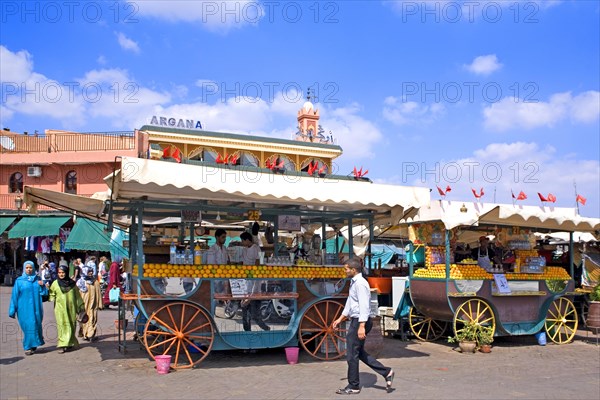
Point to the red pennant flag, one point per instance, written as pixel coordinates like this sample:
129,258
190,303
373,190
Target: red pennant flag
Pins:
521,196
448,188
551,198
542,198
172,152
477,196
441,192
580,199
219,159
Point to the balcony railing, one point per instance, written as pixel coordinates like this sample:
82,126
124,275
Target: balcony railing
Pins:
59,142
7,202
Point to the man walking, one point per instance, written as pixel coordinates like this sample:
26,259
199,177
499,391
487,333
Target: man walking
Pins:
357,310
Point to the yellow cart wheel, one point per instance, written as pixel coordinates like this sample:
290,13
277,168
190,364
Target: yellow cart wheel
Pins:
182,330
561,321
474,311
316,334
425,328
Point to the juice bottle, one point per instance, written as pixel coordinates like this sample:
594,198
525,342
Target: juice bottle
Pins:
197,254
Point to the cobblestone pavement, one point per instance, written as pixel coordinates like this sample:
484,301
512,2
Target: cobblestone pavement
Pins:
517,368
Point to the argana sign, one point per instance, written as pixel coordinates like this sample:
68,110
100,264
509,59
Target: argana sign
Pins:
176,123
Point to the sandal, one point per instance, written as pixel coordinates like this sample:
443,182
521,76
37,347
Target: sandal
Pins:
62,350
28,352
347,390
389,379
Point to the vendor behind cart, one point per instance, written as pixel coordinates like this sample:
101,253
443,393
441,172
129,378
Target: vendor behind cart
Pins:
485,255
217,254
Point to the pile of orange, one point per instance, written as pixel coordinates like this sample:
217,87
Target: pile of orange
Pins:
466,272
239,271
475,272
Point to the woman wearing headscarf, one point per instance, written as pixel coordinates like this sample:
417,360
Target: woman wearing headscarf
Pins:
90,291
53,272
26,304
114,281
67,304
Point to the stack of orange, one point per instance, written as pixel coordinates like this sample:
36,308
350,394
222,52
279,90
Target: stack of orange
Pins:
240,271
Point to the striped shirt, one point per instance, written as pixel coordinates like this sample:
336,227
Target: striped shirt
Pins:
358,303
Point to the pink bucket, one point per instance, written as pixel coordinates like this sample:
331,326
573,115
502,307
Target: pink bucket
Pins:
163,364
291,354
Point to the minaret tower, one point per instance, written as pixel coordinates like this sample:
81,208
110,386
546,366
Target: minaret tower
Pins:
308,121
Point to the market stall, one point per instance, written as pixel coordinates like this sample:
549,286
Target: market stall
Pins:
509,287
305,294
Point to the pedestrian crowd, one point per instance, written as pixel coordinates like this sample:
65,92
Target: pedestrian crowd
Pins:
76,289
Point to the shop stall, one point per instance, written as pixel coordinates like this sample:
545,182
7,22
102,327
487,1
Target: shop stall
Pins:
507,286
303,293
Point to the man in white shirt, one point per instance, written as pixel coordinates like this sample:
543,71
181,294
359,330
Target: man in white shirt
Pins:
358,310
251,250
217,253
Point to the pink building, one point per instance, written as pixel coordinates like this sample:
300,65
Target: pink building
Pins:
61,161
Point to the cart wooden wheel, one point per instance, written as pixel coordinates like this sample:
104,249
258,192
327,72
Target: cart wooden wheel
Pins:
561,321
316,333
474,311
424,328
182,330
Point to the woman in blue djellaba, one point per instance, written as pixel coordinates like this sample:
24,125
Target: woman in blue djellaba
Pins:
26,305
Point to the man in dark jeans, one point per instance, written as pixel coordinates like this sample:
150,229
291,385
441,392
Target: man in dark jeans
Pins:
357,310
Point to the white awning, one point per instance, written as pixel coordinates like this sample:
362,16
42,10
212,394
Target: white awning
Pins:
458,213
159,180
553,218
87,206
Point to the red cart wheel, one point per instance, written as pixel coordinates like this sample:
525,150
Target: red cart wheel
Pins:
425,328
182,330
316,334
561,321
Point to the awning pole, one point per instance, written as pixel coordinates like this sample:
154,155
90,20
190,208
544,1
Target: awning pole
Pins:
350,239
371,236
140,237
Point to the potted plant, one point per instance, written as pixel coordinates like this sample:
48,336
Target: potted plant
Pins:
485,337
466,337
593,317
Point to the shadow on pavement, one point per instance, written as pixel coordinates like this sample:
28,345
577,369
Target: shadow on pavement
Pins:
10,360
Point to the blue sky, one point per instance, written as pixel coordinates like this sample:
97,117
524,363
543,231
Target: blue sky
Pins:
499,95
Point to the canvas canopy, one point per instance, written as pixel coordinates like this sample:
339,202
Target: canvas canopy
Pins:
88,206
159,180
457,213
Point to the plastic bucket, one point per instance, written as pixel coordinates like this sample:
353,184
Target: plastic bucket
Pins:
291,354
163,364
541,338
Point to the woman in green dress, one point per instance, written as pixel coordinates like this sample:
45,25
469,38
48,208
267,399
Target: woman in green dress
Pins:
67,304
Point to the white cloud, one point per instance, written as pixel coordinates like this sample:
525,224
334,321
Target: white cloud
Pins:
410,112
216,16
103,93
15,67
355,134
101,60
31,93
510,113
127,43
499,168
484,65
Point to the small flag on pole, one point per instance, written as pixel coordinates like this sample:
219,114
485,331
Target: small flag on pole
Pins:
580,199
